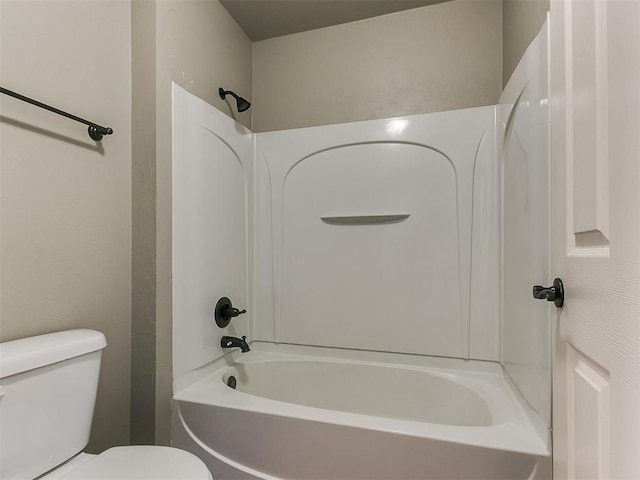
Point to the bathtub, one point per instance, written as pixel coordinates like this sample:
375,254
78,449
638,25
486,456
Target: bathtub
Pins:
319,413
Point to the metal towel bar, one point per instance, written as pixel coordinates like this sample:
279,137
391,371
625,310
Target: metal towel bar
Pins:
96,132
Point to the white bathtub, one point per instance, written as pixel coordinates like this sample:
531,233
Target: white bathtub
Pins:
315,413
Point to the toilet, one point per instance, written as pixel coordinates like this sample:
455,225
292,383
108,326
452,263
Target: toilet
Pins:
48,386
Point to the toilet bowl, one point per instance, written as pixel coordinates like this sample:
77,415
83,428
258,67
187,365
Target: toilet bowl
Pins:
48,386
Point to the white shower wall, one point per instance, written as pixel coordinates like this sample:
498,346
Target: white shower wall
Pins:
523,115
400,287
403,287
212,175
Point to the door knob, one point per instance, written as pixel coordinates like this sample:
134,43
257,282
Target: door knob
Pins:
553,294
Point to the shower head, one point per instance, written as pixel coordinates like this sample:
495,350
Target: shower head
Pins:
242,104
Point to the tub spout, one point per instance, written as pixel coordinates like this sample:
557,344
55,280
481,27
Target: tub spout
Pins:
230,342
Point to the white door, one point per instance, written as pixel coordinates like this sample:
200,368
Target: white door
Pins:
595,193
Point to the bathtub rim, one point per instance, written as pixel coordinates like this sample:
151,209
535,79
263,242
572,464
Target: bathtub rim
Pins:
524,432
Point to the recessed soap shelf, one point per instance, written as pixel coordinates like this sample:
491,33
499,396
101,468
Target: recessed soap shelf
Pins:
365,219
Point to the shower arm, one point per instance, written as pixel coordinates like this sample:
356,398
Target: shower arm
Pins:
222,92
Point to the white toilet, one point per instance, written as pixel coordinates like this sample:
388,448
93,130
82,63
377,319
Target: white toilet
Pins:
48,390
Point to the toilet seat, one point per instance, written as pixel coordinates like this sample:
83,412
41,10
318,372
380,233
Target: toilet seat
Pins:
140,462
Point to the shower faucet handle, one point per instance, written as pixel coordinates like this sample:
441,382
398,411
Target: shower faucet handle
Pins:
233,312
225,311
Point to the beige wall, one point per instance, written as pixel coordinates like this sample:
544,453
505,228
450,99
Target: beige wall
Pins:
435,58
65,200
143,211
521,21
201,48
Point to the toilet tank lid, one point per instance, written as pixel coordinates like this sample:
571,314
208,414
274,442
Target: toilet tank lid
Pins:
17,356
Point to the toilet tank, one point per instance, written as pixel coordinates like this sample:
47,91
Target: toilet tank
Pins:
48,388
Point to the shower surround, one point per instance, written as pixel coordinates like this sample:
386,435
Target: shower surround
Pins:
370,248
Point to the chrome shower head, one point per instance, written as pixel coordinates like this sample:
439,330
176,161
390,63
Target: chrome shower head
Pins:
242,104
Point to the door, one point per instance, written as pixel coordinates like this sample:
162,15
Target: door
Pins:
595,193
